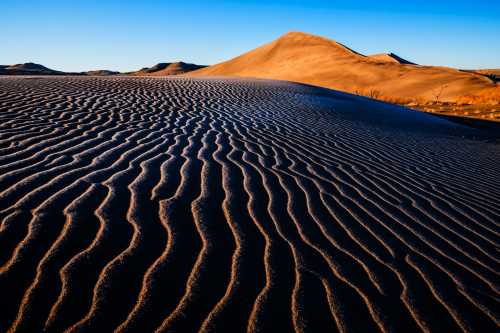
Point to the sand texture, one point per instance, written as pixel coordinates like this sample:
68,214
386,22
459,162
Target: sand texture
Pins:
230,205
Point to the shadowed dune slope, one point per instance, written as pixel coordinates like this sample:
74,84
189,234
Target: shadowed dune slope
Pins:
492,74
391,57
231,205
489,71
319,61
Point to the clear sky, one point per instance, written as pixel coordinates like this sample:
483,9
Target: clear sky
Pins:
74,35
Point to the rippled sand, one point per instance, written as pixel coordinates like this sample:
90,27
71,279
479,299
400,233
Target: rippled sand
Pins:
227,205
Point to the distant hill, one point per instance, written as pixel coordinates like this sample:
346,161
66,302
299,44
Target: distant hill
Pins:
101,72
161,69
315,60
492,74
167,68
31,68
28,68
495,71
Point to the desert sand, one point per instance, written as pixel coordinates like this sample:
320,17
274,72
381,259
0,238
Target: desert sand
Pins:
315,60
231,205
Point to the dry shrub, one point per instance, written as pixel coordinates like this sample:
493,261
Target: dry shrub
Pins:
376,94
397,100
489,96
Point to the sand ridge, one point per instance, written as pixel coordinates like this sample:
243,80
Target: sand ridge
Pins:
183,204
390,57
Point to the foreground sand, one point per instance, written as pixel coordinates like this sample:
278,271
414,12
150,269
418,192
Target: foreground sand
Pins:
135,204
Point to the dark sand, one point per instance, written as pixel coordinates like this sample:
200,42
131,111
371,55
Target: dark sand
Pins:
232,205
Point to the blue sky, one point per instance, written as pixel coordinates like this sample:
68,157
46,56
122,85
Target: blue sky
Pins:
126,35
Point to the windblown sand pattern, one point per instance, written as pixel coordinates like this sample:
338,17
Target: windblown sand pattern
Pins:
182,205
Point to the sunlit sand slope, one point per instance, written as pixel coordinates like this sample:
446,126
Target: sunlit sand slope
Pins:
224,205
310,59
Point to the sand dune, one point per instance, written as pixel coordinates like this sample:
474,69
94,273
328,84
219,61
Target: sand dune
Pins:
101,72
319,61
492,74
230,205
489,71
167,69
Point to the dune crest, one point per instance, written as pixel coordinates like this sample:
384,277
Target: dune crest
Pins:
390,57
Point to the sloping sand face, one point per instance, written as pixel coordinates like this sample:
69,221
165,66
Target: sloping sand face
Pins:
310,59
178,205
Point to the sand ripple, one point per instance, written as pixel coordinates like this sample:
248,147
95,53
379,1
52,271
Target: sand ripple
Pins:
180,205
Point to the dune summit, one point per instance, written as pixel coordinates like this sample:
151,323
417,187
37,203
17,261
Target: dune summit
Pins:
319,61
229,205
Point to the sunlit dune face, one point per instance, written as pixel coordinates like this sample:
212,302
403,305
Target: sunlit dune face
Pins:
315,60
